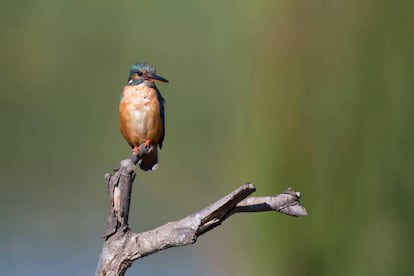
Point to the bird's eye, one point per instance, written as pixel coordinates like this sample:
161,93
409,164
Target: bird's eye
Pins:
139,73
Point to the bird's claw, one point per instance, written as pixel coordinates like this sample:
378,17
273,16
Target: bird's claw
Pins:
148,146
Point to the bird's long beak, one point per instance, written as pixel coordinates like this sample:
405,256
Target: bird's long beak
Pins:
157,78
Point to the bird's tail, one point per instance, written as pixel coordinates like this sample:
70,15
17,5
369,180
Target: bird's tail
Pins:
149,162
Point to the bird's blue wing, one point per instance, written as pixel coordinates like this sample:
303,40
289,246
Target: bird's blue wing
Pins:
162,114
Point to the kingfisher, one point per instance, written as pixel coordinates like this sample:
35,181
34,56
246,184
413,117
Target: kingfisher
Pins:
141,113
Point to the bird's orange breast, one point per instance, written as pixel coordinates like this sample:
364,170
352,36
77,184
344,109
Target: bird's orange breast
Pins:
139,115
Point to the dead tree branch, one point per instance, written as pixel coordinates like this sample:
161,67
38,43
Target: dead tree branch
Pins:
122,246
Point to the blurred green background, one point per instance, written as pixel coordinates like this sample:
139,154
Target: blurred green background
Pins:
314,95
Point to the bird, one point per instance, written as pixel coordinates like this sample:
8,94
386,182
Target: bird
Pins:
141,113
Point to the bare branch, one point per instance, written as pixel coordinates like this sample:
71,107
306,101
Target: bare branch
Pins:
286,203
123,246
119,190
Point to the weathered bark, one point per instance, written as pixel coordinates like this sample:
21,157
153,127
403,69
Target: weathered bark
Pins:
122,246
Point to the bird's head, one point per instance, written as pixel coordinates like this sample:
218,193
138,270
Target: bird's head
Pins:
143,73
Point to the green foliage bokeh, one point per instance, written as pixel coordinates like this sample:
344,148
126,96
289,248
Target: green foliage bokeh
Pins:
313,95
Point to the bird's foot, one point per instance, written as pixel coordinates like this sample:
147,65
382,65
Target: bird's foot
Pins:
147,148
147,144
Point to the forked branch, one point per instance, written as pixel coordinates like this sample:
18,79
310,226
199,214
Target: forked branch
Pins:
122,246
